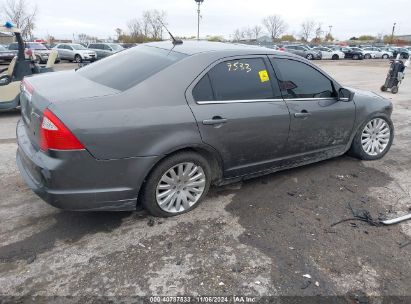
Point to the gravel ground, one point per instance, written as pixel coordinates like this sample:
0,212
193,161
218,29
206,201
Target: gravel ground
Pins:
257,238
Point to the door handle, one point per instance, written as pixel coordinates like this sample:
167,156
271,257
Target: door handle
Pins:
216,120
302,114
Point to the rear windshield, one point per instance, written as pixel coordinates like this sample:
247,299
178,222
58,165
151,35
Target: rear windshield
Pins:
78,47
124,70
36,46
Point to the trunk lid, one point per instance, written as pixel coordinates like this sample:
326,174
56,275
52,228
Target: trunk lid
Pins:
39,92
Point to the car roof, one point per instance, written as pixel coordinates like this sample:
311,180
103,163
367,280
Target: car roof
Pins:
196,47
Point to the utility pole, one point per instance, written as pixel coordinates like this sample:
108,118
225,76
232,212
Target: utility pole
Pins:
393,31
199,2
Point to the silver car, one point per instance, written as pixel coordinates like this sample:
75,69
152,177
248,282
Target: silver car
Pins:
75,52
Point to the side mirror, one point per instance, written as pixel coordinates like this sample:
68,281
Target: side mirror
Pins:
345,95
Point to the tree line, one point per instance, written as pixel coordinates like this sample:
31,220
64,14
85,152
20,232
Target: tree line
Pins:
276,28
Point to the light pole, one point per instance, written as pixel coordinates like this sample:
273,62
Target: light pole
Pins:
393,31
199,2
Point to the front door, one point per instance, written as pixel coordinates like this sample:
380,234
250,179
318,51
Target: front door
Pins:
240,113
319,122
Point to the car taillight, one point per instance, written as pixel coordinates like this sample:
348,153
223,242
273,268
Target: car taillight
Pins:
281,49
54,135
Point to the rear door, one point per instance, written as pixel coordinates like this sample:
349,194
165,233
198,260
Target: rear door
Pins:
319,122
240,112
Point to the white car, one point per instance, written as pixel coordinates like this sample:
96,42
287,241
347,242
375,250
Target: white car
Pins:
328,53
75,52
379,53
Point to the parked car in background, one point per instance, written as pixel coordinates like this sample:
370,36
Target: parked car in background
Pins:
303,51
366,54
128,45
105,49
75,52
378,53
39,51
350,53
224,113
6,54
328,53
403,52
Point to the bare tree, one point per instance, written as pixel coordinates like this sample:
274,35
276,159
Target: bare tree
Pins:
156,18
307,29
118,31
145,23
237,36
21,14
275,26
318,31
247,33
257,29
134,27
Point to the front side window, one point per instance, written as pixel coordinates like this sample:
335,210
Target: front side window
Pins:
300,80
241,79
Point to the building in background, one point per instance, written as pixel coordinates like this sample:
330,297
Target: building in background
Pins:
6,39
404,37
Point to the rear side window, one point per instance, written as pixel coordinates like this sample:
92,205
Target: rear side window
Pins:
124,70
203,91
303,81
241,79
13,46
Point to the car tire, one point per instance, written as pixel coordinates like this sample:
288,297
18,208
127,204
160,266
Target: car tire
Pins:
367,56
355,57
394,89
385,56
335,57
162,180
78,59
359,148
310,57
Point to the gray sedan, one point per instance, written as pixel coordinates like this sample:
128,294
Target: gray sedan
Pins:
303,51
104,50
157,124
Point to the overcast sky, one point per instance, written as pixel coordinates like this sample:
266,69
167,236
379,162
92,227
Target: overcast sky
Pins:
220,17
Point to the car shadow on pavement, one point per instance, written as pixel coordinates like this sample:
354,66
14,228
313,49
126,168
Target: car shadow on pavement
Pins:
68,227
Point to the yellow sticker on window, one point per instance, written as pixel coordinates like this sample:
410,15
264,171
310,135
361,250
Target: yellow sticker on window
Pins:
264,76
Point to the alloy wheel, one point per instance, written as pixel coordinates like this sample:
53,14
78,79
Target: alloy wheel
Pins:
180,187
375,137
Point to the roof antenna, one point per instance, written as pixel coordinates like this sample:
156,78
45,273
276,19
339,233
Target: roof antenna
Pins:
175,41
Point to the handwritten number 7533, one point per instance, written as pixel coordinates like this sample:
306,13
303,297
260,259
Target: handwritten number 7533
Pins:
239,66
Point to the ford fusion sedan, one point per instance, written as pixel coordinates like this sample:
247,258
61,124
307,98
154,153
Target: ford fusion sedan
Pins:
75,52
157,124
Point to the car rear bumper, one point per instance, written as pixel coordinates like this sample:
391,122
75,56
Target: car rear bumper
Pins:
75,180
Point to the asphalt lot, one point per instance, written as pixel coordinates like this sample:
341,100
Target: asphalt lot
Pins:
255,238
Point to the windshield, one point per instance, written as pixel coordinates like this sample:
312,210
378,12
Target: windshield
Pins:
78,47
36,46
116,47
124,70
2,48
